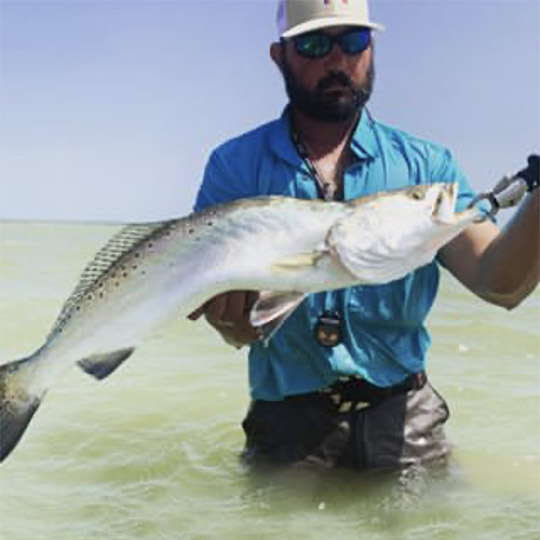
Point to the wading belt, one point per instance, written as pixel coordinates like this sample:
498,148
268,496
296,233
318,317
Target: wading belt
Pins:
354,393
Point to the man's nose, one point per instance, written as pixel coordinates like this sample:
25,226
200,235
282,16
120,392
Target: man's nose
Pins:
336,58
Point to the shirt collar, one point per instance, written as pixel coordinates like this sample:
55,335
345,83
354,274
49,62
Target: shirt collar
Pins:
363,143
364,140
281,142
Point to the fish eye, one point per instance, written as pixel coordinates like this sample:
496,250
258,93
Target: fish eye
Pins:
417,194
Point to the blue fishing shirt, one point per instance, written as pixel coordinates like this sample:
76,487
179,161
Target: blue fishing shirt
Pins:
385,338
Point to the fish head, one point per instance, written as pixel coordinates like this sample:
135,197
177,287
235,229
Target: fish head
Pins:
387,235
430,206
441,199
412,214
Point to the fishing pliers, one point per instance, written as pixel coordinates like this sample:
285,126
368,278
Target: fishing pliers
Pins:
510,190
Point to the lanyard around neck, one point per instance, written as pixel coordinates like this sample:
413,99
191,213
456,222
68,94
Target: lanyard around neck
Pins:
324,188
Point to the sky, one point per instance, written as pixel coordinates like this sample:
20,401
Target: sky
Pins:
109,109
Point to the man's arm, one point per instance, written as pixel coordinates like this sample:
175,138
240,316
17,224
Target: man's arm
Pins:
502,267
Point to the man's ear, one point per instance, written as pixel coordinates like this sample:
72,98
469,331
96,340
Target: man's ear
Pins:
276,54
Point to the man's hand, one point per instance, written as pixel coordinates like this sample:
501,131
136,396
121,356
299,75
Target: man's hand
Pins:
228,313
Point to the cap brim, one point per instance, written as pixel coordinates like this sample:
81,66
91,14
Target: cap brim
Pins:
328,22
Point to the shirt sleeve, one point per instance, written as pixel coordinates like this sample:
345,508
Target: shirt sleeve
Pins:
217,185
228,176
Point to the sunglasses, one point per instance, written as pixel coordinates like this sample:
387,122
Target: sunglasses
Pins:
319,44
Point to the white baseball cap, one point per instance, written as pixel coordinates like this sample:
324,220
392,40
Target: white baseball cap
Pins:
299,16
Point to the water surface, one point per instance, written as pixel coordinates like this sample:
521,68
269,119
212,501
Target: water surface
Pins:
152,452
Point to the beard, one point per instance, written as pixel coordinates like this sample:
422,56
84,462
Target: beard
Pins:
332,106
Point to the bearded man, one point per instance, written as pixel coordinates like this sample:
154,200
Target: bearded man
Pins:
342,382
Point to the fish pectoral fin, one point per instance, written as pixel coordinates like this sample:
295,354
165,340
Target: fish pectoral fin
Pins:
272,309
272,305
101,366
301,260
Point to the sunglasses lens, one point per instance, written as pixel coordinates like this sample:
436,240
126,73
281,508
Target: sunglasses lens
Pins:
356,41
313,45
319,44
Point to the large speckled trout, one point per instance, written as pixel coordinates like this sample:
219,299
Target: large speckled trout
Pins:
148,274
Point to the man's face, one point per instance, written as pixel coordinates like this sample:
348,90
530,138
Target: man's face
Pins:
328,89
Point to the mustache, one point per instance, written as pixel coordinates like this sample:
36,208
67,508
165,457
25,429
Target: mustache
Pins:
332,79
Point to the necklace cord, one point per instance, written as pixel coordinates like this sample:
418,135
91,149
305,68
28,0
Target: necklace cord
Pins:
323,187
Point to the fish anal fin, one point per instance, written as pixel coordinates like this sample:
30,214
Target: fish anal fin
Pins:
272,309
101,366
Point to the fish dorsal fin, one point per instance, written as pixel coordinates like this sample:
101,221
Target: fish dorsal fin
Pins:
120,244
272,309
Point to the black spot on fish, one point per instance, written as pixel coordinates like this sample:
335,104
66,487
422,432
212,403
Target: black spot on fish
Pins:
150,245
417,194
124,274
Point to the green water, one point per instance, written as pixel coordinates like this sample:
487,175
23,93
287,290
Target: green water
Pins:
152,452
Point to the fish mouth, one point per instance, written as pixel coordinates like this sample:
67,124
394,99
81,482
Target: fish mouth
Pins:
444,205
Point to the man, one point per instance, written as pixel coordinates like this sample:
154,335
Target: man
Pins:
342,382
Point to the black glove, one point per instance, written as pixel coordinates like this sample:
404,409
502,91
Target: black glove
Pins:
531,174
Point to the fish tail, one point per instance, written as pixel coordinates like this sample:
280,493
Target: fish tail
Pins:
18,403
